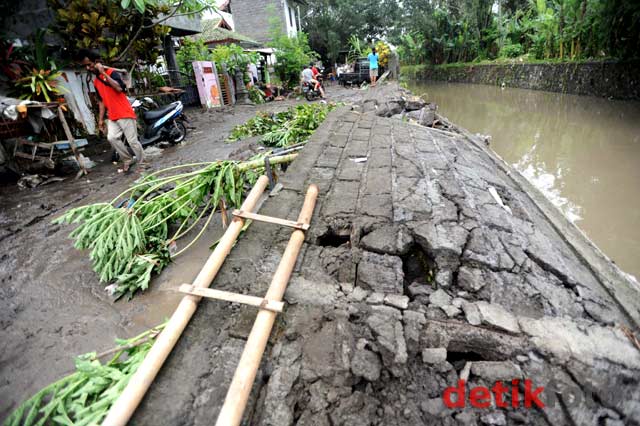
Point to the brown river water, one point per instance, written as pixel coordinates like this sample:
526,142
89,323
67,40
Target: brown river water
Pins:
582,152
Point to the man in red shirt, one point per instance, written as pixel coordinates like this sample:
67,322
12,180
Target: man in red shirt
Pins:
121,117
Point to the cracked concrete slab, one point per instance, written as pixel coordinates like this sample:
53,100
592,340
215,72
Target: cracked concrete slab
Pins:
413,277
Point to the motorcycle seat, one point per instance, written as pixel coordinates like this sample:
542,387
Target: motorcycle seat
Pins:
157,113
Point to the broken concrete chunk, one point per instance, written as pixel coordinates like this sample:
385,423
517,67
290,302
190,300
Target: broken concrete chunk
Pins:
307,292
391,108
413,322
358,294
566,338
496,370
381,273
397,301
444,242
375,299
472,313
440,298
444,278
450,310
420,289
497,316
434,406
390,239
389,335
434,355
470,279
496,418
355,410
366,364
466,418
414,104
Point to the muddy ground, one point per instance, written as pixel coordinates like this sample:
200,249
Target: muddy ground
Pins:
52,306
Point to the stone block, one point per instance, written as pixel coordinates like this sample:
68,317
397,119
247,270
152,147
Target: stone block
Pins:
380,273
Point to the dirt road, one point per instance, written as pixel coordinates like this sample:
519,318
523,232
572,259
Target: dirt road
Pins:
52,306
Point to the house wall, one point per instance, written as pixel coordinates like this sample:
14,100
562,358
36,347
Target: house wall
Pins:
24,17
251,17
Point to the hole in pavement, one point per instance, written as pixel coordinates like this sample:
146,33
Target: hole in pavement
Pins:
418,267
459,359
333,238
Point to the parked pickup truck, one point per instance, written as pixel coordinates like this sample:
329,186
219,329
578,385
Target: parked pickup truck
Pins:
359,75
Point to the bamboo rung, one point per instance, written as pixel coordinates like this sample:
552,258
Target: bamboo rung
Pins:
270,305
270,219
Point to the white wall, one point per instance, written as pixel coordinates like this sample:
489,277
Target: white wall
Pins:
291,18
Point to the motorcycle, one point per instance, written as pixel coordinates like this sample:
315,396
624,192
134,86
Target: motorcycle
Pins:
161,124
158,124
310,91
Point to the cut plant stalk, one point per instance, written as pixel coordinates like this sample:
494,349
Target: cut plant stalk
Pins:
128,245
85,396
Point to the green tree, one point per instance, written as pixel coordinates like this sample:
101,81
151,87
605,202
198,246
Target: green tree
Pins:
330,23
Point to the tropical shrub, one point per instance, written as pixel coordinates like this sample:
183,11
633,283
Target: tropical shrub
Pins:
191,50
234,57
511,51
292,55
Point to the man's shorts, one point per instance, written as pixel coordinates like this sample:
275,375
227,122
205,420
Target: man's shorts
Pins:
373,72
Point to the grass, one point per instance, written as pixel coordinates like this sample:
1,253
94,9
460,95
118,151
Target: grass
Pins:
413,69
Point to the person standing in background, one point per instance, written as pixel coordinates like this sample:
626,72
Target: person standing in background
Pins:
121,118
373,66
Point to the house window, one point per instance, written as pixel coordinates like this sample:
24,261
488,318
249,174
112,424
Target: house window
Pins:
292,19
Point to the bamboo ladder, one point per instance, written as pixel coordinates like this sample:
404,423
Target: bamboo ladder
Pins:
270,305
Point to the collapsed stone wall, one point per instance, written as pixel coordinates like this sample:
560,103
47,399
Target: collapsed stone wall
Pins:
617,80
425,264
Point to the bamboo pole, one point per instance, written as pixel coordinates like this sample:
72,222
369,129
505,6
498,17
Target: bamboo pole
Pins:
238,394
126,404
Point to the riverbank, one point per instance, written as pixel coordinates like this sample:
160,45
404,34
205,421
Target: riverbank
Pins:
611,79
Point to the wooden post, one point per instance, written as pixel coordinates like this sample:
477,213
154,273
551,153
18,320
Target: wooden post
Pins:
72,142
126,404
238,394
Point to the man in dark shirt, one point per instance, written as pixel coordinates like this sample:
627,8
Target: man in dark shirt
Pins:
121,117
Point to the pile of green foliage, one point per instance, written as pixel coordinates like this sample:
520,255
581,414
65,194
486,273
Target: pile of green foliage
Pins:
130,237
84,397
281,129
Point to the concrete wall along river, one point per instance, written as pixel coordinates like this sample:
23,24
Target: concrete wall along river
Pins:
412,276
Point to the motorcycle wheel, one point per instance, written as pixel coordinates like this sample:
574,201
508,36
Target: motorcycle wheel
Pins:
178,132
310,96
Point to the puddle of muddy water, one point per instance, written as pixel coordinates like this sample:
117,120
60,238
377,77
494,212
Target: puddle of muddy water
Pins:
582,152
155,306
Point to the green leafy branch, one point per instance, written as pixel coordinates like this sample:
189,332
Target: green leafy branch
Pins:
285,128
128,244
84,397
